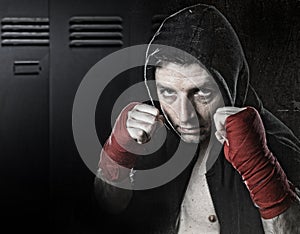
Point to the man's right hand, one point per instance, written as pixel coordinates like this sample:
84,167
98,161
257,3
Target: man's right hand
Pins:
142,121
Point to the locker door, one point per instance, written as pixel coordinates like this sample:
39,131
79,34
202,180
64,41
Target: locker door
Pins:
24,52
82,32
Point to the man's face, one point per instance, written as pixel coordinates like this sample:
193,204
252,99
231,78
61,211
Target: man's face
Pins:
189,97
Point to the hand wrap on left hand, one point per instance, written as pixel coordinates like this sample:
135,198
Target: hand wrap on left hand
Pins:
248,152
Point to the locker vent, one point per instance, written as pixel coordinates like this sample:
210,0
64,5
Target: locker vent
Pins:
16,31
96,31
156,22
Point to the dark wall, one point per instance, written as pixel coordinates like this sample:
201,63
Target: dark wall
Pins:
44,183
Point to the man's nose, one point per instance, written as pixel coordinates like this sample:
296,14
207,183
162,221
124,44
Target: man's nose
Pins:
187,110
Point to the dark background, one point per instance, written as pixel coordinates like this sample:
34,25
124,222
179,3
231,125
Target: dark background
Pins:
45,187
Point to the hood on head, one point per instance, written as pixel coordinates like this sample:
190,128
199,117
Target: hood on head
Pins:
204,33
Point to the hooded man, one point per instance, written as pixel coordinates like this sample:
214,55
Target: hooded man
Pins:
244,175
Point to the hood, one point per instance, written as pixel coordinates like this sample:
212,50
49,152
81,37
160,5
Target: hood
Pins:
204,33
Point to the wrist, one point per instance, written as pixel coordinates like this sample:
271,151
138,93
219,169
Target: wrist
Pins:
112,172
120,147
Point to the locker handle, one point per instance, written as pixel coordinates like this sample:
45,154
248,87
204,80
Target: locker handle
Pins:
27,67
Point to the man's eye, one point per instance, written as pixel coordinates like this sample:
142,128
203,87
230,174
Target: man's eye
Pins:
167,92
205,93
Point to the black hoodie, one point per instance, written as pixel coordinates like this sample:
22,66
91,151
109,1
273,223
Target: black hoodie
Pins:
203,32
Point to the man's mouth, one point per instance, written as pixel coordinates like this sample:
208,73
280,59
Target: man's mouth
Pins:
191,130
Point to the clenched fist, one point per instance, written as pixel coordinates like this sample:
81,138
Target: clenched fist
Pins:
142,121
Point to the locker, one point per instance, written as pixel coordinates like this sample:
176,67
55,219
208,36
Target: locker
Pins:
24,118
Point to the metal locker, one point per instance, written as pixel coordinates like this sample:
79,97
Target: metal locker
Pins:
24,97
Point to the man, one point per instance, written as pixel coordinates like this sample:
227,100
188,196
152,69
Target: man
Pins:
243,179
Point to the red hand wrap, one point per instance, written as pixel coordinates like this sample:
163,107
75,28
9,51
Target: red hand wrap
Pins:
116,151
248,152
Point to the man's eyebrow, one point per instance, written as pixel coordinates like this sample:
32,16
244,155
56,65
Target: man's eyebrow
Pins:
159,85
204,84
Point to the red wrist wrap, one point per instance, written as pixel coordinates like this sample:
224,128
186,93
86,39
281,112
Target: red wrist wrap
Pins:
268,185
116,151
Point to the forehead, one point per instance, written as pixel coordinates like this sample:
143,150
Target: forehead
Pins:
173,74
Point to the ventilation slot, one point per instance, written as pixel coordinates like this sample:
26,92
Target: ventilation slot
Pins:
96,31
24,31
156,22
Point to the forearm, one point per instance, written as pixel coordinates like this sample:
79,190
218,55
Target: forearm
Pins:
110,197
115,168
109,178
287,222
117,160
271,191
